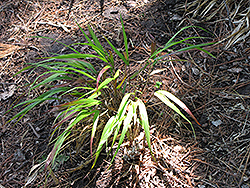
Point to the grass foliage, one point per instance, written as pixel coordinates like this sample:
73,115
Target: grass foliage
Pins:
98,98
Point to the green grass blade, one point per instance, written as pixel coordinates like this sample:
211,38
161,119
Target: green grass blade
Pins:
65,116
168,45
117,52
190,47
85,35
99,51
179,103
116,131
38,100
106,133
123,105
121,114
184,29
53,77
107,81
126,125
82,103
81,72
75,56
125,38
96,41
51,157
83,65
164,99
24,69
145,123
79,117
201,49
95,121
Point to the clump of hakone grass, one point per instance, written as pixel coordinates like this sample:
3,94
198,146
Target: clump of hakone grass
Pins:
96,94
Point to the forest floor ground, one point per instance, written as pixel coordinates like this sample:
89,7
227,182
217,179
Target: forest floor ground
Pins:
217,90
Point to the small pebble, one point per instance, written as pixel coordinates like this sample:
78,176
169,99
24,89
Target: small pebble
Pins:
217,123
196,71
201,186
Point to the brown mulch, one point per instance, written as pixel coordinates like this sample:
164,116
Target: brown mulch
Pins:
216,90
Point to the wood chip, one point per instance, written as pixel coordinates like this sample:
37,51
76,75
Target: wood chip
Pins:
7,49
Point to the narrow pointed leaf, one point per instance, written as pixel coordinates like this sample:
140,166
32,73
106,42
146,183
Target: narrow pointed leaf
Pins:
179,102
125,39
165,100
100,74
106,133
117,52
145,123
126,125
96,41
51,157
107,81
95,121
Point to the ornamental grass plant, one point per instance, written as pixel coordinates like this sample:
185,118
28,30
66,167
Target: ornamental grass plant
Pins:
97,102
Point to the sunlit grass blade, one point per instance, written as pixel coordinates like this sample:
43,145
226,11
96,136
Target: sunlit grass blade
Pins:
121,115
179,102
106,133
121,111
95,122
33,173
162,96
123,80
116,130
126,125
145,123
